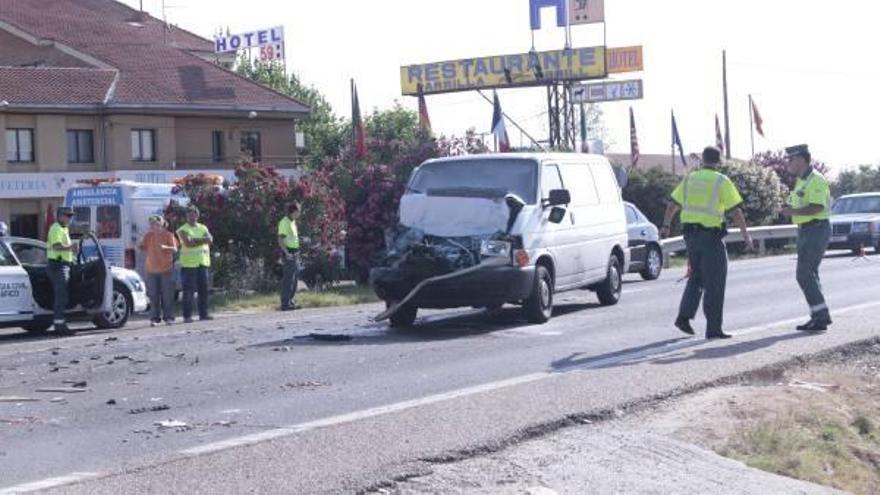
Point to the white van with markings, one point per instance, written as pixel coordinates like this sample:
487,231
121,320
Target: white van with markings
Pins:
529,226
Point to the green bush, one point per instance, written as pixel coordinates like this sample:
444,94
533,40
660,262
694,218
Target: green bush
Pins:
649,190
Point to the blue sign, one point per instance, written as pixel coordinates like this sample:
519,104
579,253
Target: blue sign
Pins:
94,196
535,7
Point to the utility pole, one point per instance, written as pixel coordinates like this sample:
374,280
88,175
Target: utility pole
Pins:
726,107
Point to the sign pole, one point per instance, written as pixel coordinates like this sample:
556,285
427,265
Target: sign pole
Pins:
726,107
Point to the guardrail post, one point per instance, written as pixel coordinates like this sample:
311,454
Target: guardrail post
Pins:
762,246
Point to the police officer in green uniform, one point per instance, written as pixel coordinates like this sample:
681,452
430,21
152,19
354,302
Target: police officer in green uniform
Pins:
195,260
810,208
704,197
60,251
288,241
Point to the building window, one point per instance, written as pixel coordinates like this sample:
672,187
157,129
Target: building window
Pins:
19,145
217,147
250,145
80,146
143,145
25,225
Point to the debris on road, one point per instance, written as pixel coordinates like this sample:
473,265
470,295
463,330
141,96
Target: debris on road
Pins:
111,339
305,385
172,424
58,400
76,383
329,337
111,402
162,407
62,390
224,423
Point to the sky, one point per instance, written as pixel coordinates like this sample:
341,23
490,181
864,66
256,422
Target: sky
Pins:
808,64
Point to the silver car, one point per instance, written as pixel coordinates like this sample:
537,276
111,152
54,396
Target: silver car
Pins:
646,255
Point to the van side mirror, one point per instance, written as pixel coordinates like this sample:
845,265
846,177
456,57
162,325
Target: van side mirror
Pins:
557,214
559,197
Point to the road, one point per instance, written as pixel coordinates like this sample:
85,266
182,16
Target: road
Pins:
263,407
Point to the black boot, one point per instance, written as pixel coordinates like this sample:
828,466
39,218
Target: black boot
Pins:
684,325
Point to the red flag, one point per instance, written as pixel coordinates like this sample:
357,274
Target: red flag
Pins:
719,141
498,127
424,119
756,116
50,219
359,135
633,139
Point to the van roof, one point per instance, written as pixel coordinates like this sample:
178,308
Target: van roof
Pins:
539,156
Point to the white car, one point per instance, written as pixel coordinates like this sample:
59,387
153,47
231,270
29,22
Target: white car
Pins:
26,292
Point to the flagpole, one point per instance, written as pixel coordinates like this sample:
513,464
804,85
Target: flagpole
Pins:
672,112
726,107
752,123
492,102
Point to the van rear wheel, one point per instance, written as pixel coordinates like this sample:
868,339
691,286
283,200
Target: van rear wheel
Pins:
610,290
538,308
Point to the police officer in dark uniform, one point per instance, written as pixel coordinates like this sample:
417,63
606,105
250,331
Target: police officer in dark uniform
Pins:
810,209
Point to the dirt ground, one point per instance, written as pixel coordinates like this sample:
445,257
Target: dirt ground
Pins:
818,423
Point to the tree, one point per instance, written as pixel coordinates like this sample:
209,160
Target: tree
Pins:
865,178
649,190
776,160
324,131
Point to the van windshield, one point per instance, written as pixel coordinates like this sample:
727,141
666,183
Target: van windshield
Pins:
478,178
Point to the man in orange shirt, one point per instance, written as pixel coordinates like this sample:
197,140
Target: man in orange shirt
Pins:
160,246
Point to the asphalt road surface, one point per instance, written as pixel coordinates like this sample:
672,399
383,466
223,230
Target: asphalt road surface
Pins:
253,403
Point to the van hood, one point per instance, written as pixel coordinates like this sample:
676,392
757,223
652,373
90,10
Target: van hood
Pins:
444,216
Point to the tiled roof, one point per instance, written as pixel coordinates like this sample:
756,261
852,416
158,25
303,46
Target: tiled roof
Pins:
156,64
54,86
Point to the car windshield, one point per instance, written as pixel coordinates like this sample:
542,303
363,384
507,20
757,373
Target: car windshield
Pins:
493,178
6,258
861,204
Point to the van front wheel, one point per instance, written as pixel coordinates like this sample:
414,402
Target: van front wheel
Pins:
538,308
609,291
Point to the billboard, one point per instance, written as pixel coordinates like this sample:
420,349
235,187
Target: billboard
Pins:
504,71
586,11
608,91
625,59
273,37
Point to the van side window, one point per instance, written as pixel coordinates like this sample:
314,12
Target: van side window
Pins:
579,182
606,183
550,180
109,219
81,223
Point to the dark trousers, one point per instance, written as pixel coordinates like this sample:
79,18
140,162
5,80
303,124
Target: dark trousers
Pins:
707,257
59,275
812,242
160,290
194,280
289,281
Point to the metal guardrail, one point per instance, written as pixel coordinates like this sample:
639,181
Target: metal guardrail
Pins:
759,234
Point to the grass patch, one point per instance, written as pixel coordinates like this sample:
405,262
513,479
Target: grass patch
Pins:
830,449
338,296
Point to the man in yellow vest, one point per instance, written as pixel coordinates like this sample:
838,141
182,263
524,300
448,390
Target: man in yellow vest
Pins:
810,208
704,197
195,260
60,251
288,241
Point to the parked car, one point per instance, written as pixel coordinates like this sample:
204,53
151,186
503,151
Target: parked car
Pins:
855,222
25,260
519,227
645,252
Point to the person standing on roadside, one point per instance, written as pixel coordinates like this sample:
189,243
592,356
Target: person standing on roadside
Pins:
195,260
160,245
60,251
810,209
288,241
704,197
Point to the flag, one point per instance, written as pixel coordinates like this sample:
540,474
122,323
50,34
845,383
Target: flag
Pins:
424,119
498,127
676,140
358,134
585,145
633,139
719,141
756,116
50,219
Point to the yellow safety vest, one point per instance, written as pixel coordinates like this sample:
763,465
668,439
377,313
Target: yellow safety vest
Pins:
59,234
287,229
194,257
705,195
813,190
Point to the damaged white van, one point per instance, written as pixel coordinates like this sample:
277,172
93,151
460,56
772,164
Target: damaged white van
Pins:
485,230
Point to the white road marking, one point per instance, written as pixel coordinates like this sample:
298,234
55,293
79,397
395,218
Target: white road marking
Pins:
48,483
